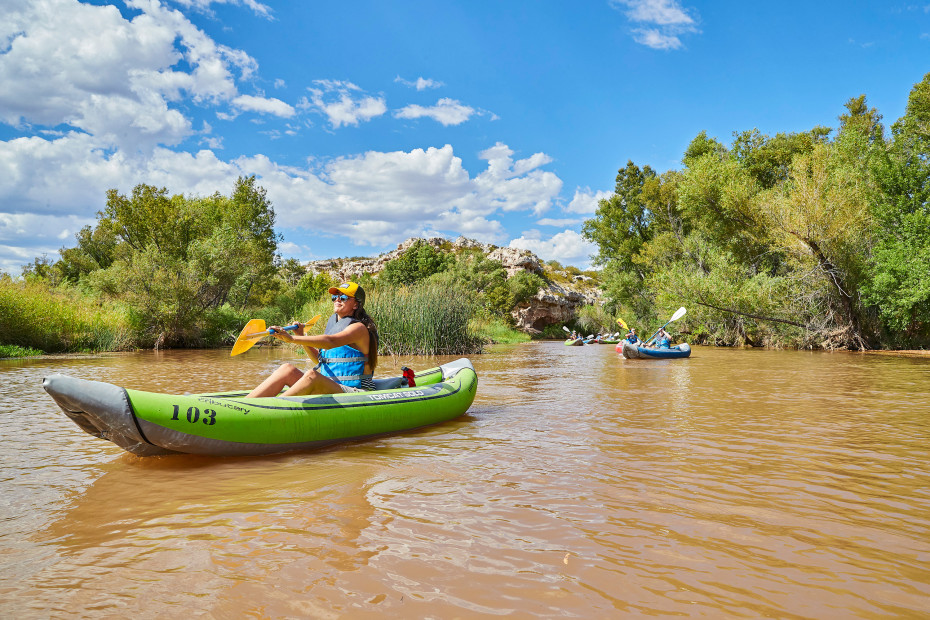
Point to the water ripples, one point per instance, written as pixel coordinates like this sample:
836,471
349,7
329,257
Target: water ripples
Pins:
735,483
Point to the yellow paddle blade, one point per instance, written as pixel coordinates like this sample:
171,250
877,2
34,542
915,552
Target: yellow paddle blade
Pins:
622,324
248,337
254,330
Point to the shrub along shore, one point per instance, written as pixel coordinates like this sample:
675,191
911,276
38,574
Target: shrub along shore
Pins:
36,319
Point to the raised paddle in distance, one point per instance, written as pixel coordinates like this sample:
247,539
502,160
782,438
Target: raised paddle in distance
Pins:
678,314
255,329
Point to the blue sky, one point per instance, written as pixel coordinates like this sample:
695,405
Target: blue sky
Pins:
369,122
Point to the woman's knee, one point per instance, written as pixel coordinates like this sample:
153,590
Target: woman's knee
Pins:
289,372
309,378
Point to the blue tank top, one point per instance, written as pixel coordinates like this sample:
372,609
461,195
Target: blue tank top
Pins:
344,364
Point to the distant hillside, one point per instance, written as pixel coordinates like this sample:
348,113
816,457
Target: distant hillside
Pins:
568,287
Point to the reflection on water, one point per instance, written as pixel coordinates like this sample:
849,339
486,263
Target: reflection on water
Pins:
734,483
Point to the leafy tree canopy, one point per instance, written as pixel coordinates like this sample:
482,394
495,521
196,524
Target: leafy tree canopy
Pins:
418,262
173,258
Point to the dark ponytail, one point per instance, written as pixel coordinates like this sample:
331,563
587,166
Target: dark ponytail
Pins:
362,317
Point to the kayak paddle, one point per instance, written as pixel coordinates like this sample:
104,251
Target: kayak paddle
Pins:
255,329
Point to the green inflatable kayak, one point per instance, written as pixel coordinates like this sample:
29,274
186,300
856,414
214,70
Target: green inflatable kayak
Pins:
227,424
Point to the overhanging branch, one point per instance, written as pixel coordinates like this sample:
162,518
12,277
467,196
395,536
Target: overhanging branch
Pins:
752,316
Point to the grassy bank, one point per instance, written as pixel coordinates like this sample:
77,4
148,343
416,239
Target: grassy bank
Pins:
8,350
423,320
34,316
497,331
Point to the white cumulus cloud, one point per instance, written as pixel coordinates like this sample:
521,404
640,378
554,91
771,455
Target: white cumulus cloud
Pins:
662,22
344,103
446,111
585,201
568,247
558,222
518,185
264,105
204,5
420,83
88,68
382,198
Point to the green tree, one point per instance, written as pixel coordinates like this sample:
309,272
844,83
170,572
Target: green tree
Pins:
621,227
820,218
524,285
716,197
416,263
474,274
899,285
862,120
96,249
173,259
702,145
768,159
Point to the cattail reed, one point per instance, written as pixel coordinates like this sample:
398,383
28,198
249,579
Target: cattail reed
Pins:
425,320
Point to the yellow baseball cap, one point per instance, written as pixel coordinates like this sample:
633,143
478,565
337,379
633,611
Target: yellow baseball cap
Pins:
351,289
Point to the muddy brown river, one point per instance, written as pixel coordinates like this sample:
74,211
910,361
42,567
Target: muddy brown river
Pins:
736,483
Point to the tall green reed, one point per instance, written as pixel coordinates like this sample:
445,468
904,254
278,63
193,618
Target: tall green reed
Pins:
419,320
60,320
425,320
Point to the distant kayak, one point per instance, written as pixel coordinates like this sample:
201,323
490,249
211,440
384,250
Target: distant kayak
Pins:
574,342
632,351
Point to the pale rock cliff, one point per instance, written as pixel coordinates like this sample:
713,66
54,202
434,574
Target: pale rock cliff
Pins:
551,305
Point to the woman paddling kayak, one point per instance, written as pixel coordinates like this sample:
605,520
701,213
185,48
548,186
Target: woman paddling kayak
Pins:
346,354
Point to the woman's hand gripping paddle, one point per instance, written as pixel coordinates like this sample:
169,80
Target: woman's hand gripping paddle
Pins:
255,329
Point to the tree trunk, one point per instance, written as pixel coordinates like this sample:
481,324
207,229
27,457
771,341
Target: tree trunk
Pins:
848,312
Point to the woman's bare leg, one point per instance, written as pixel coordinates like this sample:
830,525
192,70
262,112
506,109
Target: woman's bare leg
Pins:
285,375
313,382
299,383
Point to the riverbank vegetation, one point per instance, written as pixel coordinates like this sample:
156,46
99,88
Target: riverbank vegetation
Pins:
816,239
161,271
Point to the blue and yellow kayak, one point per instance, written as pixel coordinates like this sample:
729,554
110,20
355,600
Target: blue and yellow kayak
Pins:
228,424
632,351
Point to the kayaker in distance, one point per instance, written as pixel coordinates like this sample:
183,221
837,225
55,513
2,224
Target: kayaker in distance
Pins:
345,355
631,336
663,339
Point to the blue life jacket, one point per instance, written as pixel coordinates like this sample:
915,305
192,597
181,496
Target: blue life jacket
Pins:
632,339
664,343
345,364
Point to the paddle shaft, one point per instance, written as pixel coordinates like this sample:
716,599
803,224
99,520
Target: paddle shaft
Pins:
270,331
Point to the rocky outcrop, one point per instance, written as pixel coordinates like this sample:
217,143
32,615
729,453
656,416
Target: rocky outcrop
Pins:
551,305
516,260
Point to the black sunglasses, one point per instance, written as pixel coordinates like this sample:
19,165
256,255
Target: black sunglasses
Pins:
341,297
